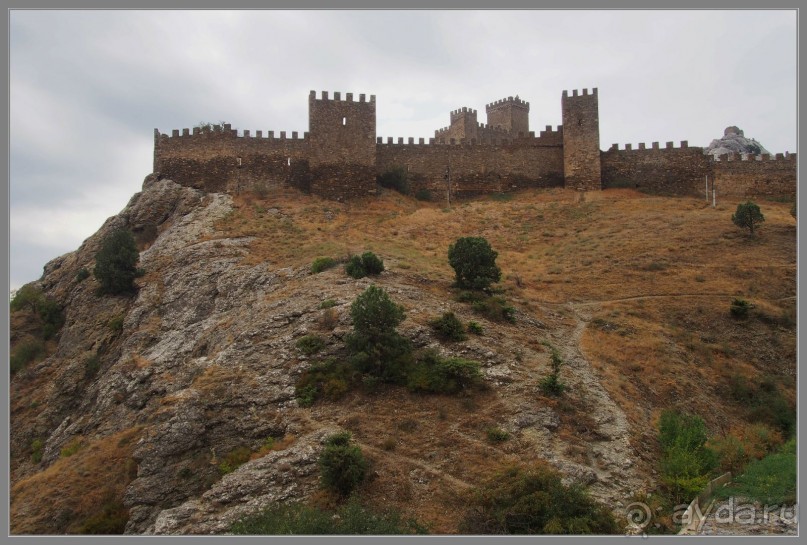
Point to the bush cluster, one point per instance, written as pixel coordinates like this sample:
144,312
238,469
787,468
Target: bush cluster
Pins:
116,263
329,379
395,178
432,373
740,308
535,501
495,308
323,263
310,344
24,353
423,195
375,345
765,403
350,519
342,464
448,327
770,481
234,459
474,263
748,216
686,462
551,384
368,264
49,311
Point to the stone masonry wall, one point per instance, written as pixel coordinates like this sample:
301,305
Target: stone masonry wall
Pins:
220,160
760,176
476,167
342,145
512,114
581,140
668,170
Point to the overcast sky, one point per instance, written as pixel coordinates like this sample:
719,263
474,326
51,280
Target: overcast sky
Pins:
88,87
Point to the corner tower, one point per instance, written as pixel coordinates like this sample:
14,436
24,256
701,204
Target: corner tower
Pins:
511,114
581,140
342,145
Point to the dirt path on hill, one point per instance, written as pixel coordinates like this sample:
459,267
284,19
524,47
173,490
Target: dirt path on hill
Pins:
583,304
611,456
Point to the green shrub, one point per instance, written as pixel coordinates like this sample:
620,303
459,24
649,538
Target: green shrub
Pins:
423,195
474,263
740,308
748,216
71,448
234,459
91,366
116,263
24,353
497,435
36,450
448,327
395,178
328,303
116,324
770,481
48,310
495,308
310,344
342,464
367,264
551,384
82,274
475,328
355,268
329,379
535,501
372,263
110,519
27,296
469,297
375,345
765,403
349,519
322,263
433,374
686,462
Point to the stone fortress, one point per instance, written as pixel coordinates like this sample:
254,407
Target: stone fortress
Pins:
341,156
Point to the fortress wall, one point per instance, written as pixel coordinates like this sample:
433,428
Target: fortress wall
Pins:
475,168
209,159
668,170
342,151
760,176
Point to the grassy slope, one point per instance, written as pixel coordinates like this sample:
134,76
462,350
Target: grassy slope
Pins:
653,278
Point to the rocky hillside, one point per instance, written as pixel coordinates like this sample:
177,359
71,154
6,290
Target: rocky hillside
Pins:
143,406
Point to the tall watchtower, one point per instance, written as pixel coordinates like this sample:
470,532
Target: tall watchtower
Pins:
581,140
342,144
463,124
511,114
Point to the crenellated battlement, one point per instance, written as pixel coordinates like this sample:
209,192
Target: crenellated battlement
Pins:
216,131
337,97
340,155
509,102
684,144
584,93
727,157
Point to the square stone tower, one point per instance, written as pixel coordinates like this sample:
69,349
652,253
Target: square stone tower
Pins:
581,140
510,114
342,145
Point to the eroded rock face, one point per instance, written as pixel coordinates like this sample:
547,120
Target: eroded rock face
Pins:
205,364
734,141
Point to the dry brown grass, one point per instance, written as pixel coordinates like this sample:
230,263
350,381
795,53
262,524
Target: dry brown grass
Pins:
74,489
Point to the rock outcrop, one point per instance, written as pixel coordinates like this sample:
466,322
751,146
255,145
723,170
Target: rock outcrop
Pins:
734,141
